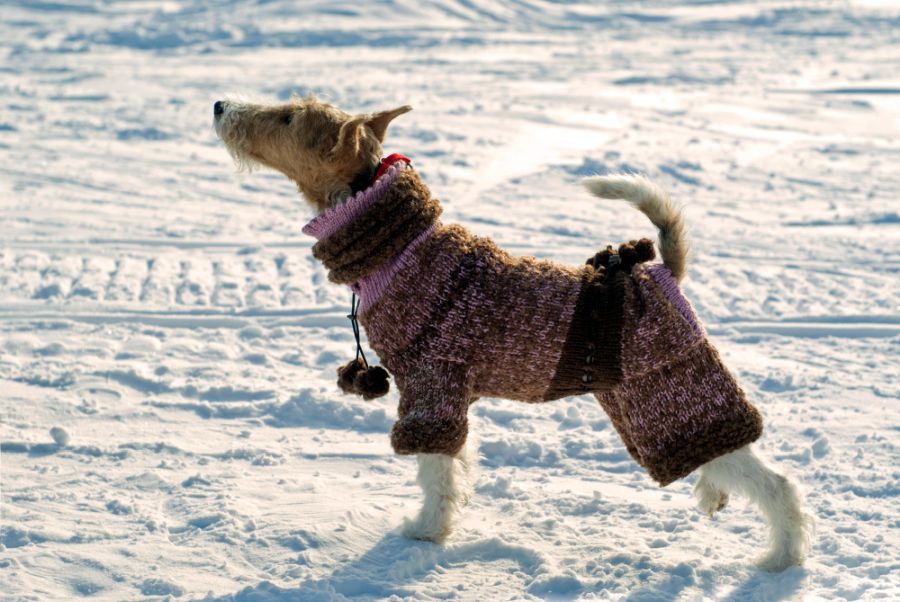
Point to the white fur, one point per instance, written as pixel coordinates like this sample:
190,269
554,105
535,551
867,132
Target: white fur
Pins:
447,482
653,202
790,529
230,129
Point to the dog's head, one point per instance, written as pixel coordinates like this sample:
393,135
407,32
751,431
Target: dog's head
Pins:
318,146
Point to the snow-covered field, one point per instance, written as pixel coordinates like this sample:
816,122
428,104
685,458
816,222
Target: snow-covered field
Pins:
167,318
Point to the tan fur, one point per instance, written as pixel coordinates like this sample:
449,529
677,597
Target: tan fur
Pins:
318,146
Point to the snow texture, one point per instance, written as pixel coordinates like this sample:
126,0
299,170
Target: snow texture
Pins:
171,428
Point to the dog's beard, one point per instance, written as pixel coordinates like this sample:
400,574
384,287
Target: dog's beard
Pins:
242,161
235,136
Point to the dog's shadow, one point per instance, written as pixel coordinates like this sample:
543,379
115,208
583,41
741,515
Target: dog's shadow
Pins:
759,586
770,587
394,566
397,566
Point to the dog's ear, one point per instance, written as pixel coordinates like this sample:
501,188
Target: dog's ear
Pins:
348,137
379,121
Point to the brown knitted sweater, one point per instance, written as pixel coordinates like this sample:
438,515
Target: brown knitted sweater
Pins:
454,318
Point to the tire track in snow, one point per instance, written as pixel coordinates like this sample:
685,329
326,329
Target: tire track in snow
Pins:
329,317
200,318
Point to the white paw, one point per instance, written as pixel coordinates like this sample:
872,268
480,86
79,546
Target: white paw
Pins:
791,544
778,560
709,499
425,530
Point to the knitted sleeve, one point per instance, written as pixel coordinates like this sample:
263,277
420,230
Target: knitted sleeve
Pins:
434,400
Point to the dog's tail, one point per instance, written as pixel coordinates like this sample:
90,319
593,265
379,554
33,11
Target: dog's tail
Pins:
653,202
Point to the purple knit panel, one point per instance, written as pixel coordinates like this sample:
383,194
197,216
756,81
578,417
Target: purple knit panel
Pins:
333,219
371,286
666,281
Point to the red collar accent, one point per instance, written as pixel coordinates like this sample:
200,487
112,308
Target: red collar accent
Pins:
386,164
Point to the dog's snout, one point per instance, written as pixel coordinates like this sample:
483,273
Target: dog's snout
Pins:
218,108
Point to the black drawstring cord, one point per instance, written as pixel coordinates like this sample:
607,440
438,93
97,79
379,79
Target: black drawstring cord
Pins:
357,376
354,321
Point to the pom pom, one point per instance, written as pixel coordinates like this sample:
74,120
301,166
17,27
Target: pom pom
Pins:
347,375
601,259
634,252
368,382
625,257
628,255
372,382
645,250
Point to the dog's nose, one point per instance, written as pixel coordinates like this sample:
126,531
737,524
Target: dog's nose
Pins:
218,108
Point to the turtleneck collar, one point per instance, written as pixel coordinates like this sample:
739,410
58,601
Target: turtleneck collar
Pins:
366,239
334,218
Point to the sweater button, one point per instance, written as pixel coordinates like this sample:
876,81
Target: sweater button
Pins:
586,378
589,359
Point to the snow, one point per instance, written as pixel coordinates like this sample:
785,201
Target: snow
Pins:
171,428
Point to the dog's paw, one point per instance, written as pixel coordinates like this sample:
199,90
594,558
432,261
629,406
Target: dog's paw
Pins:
778,560
709,498
425,530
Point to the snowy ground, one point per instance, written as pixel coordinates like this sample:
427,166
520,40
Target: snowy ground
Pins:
168,316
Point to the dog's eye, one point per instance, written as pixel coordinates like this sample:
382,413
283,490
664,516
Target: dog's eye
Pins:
287,118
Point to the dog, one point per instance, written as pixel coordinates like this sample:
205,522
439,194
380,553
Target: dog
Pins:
453,317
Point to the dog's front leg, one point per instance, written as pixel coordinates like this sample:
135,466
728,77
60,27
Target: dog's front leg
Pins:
447,484
434,403
433,425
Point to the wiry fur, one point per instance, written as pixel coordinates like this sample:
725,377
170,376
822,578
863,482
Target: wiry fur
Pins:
322,148
315,144
447,482
790,529
653,202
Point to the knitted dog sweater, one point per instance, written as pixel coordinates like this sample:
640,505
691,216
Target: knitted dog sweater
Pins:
454,318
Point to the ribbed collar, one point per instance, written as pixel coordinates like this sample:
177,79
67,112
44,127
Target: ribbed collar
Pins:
367,239
334,218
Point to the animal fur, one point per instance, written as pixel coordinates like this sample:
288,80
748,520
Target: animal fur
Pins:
323,150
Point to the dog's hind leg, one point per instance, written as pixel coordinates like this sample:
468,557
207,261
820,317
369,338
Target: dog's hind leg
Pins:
741,472
709,498
447,484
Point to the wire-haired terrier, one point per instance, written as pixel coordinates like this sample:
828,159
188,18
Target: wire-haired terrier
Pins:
453,318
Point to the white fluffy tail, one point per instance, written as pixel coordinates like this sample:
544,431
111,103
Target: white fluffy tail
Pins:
653,202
